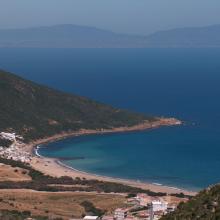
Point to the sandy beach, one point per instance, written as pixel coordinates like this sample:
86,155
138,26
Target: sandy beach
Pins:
54,167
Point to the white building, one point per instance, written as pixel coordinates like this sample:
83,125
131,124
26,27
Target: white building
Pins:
8,136
159,205
120,214
88,217
171,208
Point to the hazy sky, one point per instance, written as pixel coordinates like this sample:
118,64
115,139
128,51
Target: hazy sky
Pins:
126,16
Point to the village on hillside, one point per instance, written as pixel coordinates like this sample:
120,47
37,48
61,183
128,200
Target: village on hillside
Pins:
137,207
142,207
14,151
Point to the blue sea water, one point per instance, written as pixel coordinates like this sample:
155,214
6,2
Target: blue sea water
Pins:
183,83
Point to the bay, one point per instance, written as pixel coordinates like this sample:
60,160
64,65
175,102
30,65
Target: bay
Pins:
182,83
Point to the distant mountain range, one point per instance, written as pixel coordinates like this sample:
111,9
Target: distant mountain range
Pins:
186,37
74,36
67,36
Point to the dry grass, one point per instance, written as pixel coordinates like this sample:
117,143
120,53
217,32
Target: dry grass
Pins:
63,204
8,173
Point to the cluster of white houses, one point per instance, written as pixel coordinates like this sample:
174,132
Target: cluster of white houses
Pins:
14,151
10,136
143,208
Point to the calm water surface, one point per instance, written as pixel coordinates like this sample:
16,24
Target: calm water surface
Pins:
183,83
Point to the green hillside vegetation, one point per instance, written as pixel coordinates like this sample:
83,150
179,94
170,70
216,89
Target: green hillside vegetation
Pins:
204,206
36,111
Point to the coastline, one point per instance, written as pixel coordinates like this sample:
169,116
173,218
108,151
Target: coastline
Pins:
161,122
54,167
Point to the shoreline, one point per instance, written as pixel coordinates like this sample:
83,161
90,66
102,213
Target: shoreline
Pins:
54,167
131,182
145,126
120,179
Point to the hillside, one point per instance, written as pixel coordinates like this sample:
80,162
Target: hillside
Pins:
204,206
36,111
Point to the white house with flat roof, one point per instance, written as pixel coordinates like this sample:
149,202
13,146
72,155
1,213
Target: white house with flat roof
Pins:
89,217
120,214
8,136
159,205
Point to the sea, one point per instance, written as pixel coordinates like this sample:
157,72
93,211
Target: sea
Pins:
181,83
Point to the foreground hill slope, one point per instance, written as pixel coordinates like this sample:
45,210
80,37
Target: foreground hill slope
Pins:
204,206
36,111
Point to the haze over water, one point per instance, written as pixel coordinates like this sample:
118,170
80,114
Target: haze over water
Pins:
182,83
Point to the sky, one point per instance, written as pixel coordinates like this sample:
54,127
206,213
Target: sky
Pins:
123,16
